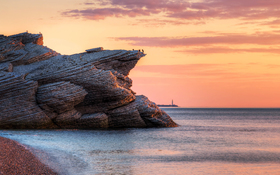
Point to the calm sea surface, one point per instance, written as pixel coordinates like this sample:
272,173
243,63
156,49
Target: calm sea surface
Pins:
208,141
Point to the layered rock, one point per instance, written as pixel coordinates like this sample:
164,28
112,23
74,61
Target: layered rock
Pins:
68,119
60,97
96,120
152,114
125,117
18,103
40,88
24,49
7,67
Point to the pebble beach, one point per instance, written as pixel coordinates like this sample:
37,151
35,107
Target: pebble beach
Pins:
15,159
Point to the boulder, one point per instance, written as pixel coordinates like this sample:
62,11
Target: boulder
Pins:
152,114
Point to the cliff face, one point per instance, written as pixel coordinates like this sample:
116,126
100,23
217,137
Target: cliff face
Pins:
40,88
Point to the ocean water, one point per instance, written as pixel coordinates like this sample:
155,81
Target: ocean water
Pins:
208,141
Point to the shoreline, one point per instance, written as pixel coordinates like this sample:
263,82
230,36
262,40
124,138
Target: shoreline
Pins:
16,159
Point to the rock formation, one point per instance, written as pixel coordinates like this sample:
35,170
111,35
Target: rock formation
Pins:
40,88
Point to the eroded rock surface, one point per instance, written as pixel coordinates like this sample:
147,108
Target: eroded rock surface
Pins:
60,97
18,103
40,88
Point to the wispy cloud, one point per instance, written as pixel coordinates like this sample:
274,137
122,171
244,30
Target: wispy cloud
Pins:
273,66
267,38
223,50
208,72
158,13
180,9
102,13
272,24
231,9
188,71
163,22
122,8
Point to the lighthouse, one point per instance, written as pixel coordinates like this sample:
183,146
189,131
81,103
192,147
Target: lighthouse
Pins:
172,102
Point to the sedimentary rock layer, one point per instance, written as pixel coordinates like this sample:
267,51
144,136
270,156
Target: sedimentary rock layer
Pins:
40,88
60,96
18,103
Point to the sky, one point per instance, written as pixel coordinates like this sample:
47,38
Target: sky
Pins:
200,53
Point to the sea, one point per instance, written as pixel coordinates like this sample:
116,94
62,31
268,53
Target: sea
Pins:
207,141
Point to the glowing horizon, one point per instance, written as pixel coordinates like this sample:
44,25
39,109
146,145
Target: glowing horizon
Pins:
220,53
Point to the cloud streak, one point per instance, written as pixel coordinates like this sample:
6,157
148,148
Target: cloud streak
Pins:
122,8
189,70
180,9
158,13
224,50
226,72
102,13
228,39
162,22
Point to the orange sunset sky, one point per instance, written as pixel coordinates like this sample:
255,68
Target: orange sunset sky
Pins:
200,53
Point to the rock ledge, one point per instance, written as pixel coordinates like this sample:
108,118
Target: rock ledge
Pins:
42,89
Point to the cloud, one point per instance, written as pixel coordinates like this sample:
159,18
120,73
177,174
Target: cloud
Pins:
162,22
227,9
121,8
89,3
210,72
223,50
155,5
273,66
188,69
272,24
180,9
102,13
266,38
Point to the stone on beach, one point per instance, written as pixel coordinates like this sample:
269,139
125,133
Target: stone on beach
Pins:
41,88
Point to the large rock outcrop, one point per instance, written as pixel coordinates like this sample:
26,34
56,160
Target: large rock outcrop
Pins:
40,88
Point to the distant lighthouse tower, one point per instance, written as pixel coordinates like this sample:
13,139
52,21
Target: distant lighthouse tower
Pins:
172,102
